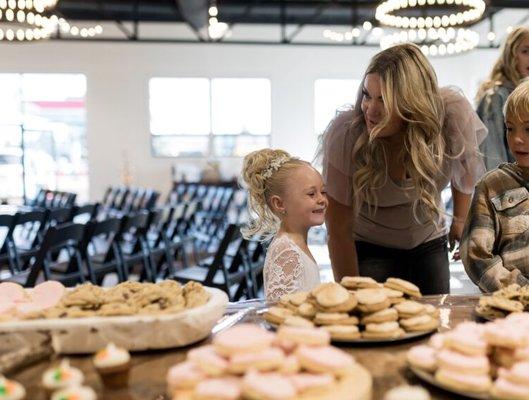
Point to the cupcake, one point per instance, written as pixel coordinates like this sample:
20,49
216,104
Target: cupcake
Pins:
11,390
113,365
62,376
74,393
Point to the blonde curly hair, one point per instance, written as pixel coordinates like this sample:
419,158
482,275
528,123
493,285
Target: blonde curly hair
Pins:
505,70
410,90
265,174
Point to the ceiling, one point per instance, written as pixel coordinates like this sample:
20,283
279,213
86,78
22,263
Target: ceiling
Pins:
318,12
130,15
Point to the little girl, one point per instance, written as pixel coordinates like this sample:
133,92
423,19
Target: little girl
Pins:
286,198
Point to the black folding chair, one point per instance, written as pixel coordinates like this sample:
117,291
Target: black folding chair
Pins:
224,271
132,245
65,239
99,250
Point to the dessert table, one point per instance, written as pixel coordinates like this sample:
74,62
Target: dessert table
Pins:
147,378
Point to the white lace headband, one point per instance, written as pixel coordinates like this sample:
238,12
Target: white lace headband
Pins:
274,166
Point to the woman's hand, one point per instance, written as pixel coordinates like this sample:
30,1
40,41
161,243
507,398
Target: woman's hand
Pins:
454,237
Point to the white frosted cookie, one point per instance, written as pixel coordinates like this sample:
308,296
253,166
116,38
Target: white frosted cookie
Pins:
343,332
404,286
386,315
358,282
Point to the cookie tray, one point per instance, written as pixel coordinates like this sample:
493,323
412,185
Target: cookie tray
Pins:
136,333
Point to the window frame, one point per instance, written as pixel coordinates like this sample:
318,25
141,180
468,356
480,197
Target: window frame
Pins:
211,136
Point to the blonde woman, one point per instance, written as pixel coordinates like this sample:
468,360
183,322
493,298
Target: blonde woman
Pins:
512,66
286,198
385,163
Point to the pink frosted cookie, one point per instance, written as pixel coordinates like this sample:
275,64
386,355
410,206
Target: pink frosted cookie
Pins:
462,363
504,334
207,359
437,341
521,354
185,375
311,382
12,292
28,308
423,357
505,389
519,319
243,338
48,294
463,382
290,365
218,389
324,359
306,336
265,360
286,345
467,339
6,308
267,386
518,373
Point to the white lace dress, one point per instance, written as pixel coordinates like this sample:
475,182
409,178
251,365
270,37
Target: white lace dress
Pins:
288,269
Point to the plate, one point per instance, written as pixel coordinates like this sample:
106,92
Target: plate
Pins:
429,378
132,332
408,336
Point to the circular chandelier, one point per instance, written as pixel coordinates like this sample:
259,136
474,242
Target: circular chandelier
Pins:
435,42
28,20
471,11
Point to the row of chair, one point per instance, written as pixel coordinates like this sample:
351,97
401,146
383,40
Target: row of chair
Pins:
46,198
122,199
148,243
219,205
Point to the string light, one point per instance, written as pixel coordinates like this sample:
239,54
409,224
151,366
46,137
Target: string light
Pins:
435,42
28,20
386,16
216,29
353,33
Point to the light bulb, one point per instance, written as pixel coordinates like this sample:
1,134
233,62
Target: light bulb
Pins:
213,11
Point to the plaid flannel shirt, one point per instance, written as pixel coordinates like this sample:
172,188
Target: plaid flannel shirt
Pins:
494,247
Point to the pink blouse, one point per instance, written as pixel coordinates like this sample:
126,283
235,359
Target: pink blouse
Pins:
394,224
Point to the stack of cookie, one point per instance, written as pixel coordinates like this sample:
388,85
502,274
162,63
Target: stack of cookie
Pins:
480,358
250,362
358,307
510,299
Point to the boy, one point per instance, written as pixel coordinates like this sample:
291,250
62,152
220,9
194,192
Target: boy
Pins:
494,247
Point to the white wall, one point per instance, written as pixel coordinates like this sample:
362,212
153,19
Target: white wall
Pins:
117,94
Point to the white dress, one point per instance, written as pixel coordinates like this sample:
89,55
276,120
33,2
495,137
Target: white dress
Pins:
288,269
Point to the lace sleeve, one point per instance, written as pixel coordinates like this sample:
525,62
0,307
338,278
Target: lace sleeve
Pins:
284,271
464,133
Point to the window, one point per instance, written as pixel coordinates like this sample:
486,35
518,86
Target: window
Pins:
42,134
200,117
331,95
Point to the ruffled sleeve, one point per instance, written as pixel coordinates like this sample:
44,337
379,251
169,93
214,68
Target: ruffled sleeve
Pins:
337,149
464,132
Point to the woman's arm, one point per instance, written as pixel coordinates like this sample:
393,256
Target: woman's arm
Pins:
339,221
461,207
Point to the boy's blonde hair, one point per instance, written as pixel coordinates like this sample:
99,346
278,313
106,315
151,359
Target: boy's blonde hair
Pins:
517,103
265,173
505,71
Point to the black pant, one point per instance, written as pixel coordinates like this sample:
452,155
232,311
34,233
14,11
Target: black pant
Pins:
426,265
